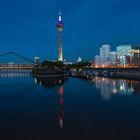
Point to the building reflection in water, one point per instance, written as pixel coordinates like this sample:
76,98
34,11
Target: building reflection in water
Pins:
52,83
15,73
108,86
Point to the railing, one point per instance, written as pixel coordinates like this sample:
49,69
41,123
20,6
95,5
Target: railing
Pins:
16,66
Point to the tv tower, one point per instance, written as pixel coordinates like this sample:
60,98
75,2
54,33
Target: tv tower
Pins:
60,27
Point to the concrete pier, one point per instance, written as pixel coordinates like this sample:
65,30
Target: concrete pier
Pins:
127,73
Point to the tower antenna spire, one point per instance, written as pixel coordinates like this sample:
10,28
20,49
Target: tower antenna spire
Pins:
60,18
59,12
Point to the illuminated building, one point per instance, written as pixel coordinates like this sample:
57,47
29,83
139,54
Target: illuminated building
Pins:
97,61
113,58
60,27
136,59
79,60
37,60
67,63
104,53
128,55
122,52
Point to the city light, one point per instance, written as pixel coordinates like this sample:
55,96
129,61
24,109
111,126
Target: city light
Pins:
125,56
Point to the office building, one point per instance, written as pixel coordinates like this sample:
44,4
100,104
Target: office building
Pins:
128,55
97,61
104,53
113,57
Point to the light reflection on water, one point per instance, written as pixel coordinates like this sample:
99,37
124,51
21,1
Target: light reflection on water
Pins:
109,86
52,83
93,108
15,73
61,110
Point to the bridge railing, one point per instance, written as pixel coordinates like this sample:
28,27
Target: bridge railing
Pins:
16,66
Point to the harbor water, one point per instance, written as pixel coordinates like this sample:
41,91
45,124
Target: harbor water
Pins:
68,108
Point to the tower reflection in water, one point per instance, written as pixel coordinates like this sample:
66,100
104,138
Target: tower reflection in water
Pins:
61,111
52,83
108,86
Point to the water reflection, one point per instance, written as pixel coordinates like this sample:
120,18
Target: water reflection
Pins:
108,86
33,115
15,73
61,111
15,83
52,83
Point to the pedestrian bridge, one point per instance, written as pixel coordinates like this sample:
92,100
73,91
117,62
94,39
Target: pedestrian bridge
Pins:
12,65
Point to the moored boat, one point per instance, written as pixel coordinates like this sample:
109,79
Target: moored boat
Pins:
49,72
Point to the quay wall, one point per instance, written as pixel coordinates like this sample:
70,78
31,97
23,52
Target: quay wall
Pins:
127,73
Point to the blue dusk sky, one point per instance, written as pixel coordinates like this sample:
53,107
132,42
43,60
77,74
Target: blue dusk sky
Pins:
28,27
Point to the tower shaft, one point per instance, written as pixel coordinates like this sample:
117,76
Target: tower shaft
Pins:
60,27
60,55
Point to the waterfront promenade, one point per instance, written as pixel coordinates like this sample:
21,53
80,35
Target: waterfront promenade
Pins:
128,73
16,66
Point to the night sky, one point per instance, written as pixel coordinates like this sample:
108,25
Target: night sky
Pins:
28,27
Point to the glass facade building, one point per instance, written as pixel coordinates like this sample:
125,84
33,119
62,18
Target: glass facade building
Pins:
128,55
97,61
113,57
104,53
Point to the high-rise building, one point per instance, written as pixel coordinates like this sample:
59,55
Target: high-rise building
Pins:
128,55
97,61
60,27
136,59
122,52
104,53
113,57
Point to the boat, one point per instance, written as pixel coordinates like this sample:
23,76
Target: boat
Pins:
49,72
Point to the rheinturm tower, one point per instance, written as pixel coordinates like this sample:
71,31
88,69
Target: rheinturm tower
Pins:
60,27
